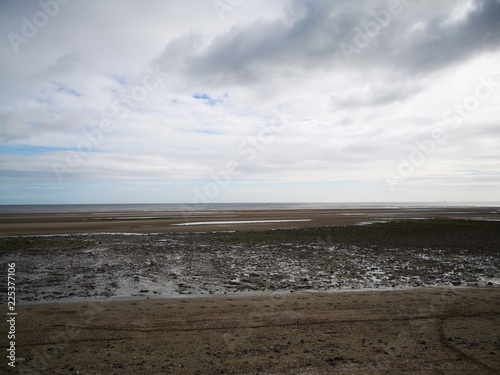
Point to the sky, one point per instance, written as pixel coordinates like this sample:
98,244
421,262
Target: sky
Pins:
209,101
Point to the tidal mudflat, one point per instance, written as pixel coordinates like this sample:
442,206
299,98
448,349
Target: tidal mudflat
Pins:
401,254
378,295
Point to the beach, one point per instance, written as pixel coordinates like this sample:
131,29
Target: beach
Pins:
295,291
302,187
434,331
168,221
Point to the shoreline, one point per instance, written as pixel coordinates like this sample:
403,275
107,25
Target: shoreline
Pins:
254,294
182,221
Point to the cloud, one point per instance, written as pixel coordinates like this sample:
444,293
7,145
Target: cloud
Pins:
442,42
66,65
310,33
225,84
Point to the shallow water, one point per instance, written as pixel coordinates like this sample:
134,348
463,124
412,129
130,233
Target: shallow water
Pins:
240,222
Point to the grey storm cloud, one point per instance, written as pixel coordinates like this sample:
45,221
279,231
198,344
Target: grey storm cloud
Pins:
310,35
440,44
376,94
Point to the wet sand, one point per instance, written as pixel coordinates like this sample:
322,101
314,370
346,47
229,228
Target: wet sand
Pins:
167,222
399,254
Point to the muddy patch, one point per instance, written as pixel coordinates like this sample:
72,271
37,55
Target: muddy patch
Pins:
117,265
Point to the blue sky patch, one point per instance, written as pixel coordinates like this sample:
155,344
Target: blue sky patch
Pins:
65,89
28,150
121,79
208,99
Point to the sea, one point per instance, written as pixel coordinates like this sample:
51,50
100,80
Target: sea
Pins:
159,207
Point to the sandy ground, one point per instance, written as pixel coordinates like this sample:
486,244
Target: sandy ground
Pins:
238,299
166,222
434,331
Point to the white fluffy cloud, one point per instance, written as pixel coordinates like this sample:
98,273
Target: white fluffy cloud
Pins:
292,100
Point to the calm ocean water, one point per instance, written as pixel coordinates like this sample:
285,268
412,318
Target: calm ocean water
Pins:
83,208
